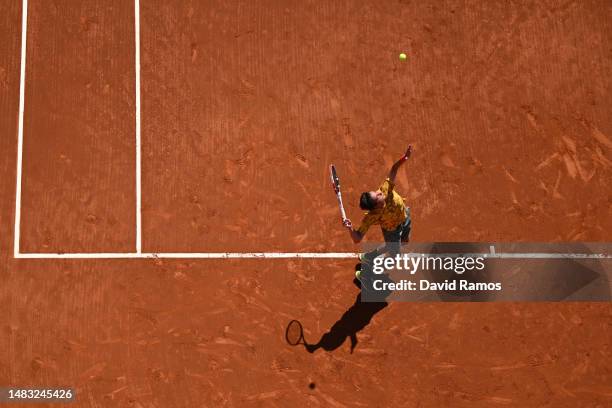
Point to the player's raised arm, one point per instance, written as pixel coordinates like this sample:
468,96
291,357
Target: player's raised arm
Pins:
398,164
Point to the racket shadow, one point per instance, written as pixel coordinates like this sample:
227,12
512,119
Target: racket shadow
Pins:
355,319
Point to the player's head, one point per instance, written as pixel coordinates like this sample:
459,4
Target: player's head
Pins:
371,200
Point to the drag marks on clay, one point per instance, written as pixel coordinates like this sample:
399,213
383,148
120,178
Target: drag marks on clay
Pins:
246,89
576,163
546,162
533,120
573,158
509,175
347,134
601,159
570,165
301,160
601,138
92,372
446,160
264,396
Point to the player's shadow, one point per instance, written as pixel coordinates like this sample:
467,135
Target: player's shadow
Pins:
352,321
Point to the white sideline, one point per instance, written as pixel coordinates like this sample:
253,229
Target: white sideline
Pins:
24,29
138,139
304,255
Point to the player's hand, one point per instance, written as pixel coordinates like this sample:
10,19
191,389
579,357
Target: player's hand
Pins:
347,224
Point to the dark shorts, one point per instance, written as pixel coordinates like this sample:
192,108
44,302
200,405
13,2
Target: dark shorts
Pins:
401,233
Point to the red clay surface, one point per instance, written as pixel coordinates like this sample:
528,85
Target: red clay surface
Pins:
79,161
244,104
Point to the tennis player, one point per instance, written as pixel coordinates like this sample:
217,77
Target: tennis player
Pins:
384,207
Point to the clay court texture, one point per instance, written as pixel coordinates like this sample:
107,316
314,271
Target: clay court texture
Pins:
198,127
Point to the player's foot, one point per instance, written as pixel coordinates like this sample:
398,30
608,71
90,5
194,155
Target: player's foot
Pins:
364,259
358,271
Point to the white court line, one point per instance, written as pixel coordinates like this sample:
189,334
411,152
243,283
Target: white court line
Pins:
306,255
193,255
24,29
138,140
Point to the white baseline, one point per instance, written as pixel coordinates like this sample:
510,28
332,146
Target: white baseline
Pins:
307,255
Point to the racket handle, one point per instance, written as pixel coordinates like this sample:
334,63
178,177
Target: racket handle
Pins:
342,212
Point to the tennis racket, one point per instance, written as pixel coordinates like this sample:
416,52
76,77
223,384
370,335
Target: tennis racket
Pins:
295,333
336,185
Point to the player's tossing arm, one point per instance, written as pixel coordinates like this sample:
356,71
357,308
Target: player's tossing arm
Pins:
398,164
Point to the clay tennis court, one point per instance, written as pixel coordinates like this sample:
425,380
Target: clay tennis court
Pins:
220,142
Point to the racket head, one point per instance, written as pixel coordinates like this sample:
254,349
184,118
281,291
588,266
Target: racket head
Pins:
294,334
334,178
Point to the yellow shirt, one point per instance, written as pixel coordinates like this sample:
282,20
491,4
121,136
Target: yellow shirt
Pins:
391,215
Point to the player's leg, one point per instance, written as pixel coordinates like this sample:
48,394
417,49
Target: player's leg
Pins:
406,227
366,262
391,247
393,240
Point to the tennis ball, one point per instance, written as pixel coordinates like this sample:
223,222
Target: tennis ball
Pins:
402,57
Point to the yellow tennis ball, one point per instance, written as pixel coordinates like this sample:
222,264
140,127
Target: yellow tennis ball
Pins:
402,57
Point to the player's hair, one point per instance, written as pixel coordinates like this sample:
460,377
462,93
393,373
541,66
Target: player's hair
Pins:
366,202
